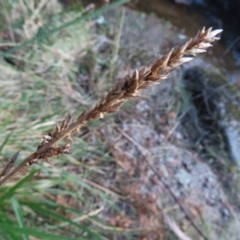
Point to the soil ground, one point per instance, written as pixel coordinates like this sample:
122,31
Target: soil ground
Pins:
151,131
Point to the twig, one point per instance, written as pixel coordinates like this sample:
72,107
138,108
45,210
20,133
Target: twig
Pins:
125,89
79,219
175,228
10,30
176,200
116,45
97,186
147,155
9,165
231,46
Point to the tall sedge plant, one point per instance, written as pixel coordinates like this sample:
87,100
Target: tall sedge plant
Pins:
126,89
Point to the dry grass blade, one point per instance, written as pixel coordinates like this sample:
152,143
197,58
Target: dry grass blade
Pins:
175,228
124,90
9,165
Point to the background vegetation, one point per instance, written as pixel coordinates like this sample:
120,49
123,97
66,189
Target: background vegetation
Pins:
42,46
56,60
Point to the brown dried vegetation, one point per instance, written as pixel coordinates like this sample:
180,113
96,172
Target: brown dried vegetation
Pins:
124,90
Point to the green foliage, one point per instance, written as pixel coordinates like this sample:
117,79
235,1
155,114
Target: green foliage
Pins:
33,97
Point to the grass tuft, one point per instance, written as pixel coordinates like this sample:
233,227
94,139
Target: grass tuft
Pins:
39,83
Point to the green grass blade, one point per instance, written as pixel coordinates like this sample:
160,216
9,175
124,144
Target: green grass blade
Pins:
33,232
6,236
53,205
5,219
93,190
10,192
18,212
46,211
5,142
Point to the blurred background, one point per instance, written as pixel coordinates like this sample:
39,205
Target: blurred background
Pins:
60,57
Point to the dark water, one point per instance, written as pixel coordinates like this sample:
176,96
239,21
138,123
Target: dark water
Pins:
192,15
223,14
